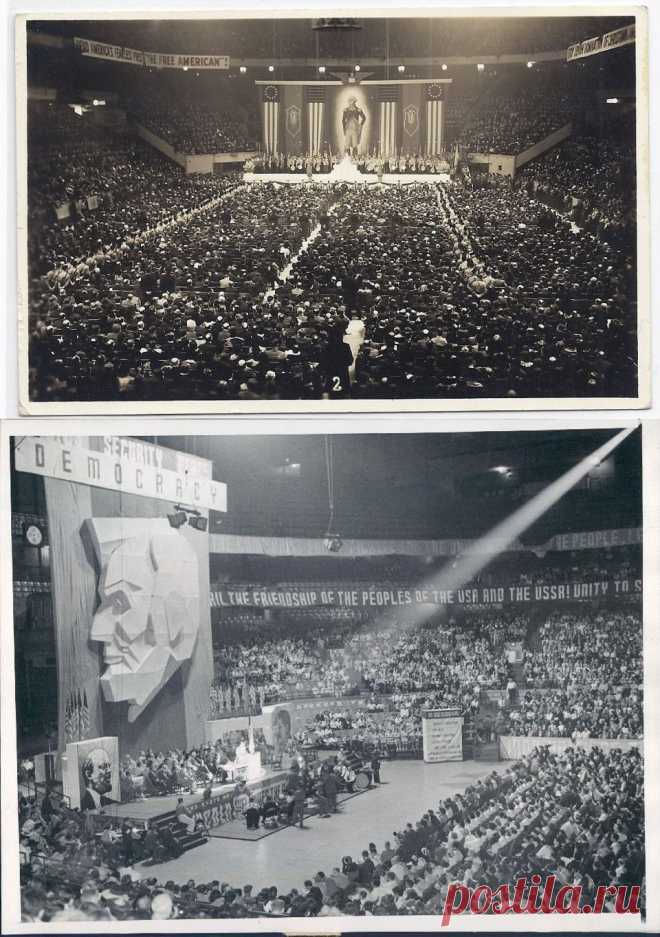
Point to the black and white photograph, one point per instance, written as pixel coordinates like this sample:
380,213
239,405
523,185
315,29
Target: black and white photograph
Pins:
440,211
262,678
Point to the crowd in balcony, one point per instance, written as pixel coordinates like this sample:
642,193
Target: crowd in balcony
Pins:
192,128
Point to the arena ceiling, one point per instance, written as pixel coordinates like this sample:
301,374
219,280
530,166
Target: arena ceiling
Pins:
285,37
415,486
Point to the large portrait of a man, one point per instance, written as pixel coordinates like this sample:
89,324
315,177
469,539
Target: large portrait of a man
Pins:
96,775
353,120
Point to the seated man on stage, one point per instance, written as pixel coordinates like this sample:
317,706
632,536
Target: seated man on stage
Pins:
269,812
184,817
252,815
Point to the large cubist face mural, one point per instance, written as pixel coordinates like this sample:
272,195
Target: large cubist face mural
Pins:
148,617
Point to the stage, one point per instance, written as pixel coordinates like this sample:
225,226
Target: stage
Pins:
287,859
369,178
217,808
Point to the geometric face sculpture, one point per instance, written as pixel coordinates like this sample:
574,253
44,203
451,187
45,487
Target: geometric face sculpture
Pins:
148,618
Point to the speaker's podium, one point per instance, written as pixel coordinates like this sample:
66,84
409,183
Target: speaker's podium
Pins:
442,735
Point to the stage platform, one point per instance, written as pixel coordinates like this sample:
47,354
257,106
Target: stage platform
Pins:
287,859
154,808
328,178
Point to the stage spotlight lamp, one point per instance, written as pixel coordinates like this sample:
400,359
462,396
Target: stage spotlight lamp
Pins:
531,64
271,68
242,69
401,68
481,67
356,68
185,68
178,519
612,101
321,69
444,66
198,523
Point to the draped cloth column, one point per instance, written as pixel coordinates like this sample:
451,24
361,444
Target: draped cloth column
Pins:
271,118
411,118
434,119
388,103
73,583
292,104
315,97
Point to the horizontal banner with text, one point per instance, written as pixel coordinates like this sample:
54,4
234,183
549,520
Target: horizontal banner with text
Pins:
611,40
376,597
122,464
103,50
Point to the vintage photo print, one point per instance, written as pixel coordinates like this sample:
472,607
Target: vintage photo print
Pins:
441,210
318,683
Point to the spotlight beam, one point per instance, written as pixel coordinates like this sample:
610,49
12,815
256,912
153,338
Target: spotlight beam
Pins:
481,553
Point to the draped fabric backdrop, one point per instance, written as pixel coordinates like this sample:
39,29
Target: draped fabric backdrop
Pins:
411,119
73,579
388,104
271,117
292,104
315,96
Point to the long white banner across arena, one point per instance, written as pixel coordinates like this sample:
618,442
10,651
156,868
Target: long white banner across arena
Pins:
103,50
611,40
383,597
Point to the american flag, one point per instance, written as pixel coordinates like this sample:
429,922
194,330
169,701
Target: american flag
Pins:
271,104
315,114
434,96
84,717
388,96
68,720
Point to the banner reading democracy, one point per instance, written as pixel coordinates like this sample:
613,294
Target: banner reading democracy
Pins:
225,596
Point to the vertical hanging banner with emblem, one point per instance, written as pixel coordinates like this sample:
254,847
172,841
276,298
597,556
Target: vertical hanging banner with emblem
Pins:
411,100
294,141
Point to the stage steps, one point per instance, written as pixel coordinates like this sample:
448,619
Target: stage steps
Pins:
185,841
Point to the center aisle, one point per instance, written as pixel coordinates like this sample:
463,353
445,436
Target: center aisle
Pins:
409,789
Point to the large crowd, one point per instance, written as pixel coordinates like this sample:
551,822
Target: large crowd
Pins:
591,179
178,288
577,815
569,672
110,194
510,123
192,127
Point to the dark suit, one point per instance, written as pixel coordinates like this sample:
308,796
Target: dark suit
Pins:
87,801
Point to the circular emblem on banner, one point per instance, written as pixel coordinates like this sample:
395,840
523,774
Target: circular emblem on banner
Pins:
270,92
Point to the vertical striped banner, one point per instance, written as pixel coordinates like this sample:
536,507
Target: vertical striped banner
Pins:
271,118
434,95
315,126
388,97
315,98
387,137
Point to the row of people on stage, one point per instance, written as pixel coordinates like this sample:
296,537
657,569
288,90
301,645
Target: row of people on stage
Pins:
365,162
157,774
